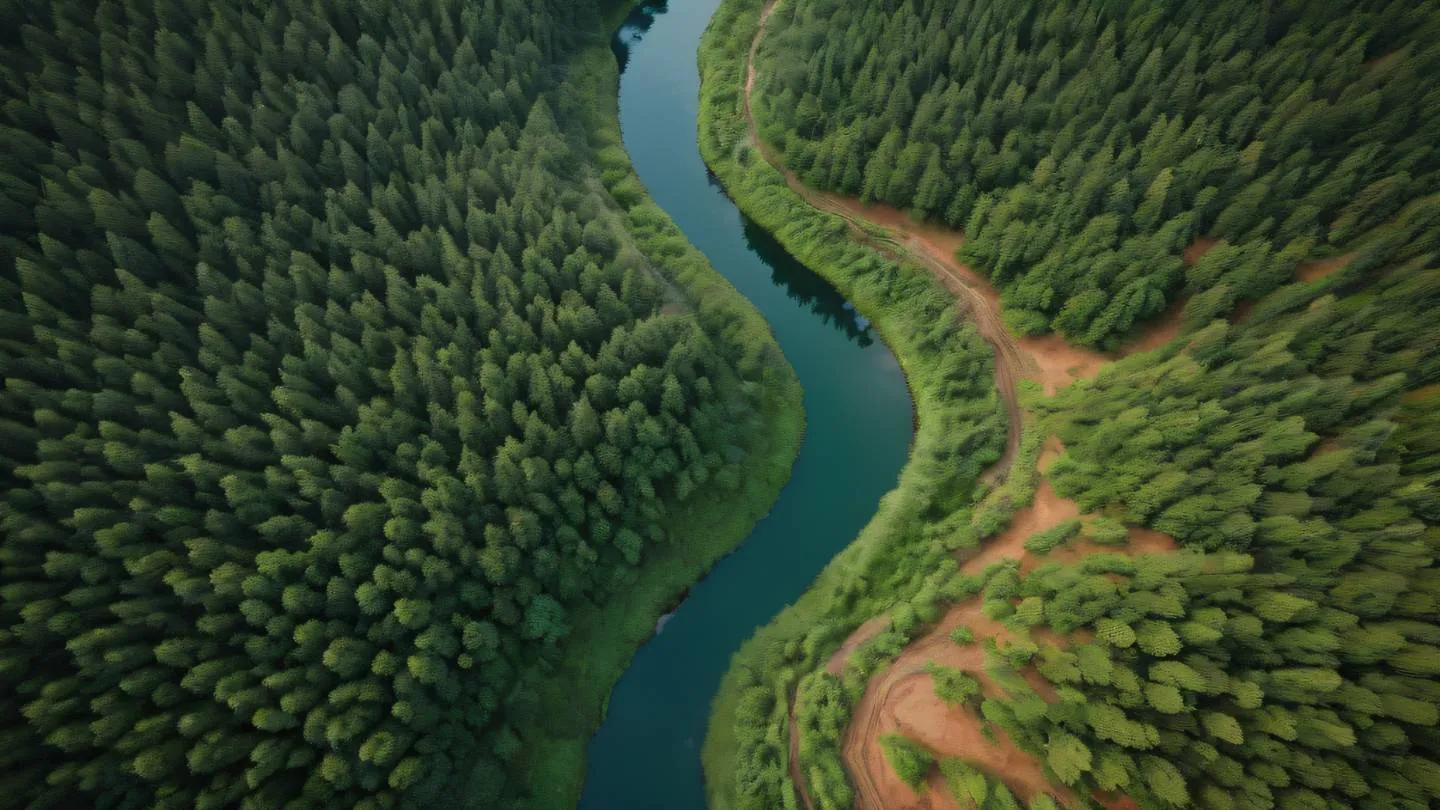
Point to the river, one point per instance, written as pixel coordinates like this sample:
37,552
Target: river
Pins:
646,756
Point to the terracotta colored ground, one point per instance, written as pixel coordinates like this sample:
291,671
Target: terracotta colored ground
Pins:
1048,360
1384,60
902,697
1199,248
1314,271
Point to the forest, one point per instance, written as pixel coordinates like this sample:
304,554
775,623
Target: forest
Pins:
1081,147
361,413
1261,177
345,372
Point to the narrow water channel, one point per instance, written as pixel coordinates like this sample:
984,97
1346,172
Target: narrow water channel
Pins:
646,756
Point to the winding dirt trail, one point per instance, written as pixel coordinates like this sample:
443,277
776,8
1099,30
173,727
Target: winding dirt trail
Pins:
1048,360
901,697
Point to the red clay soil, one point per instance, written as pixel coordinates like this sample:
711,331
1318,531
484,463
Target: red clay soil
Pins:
1048,360
1160,332
1197,249
902,698
1314,271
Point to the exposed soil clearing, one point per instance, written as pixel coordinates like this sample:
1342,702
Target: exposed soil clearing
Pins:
901,698
1197,249
1165,329
1314,271
934,248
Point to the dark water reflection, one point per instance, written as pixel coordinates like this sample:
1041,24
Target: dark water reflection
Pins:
808,288
636,23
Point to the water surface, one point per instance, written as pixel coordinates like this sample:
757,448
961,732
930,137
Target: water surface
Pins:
646,756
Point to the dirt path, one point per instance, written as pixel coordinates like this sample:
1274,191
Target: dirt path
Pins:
901,697
932,247
1314,271
1048,359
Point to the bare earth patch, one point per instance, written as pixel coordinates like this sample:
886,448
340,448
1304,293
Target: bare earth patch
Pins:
1314,271
1160,332
1197,249
901,698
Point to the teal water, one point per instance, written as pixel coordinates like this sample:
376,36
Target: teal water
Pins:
646,756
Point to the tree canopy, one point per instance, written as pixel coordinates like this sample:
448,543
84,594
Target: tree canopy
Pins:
333,382
1084,146
1106,160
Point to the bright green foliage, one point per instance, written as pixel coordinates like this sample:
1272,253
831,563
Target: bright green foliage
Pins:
1106,531
901,557
1043,542
1043,801
333,385
1288,657
1067,756
1114,632
822,712
1084,146
1304,438
911,760
967,785
973,788
952,685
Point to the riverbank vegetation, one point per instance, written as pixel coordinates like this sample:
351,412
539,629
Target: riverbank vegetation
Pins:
960,430
1107,161
352,385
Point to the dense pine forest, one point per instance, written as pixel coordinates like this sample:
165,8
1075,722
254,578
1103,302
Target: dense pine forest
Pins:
360,413
1262,175
1081,147
336,383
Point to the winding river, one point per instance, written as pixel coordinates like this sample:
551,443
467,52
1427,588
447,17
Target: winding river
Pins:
646,756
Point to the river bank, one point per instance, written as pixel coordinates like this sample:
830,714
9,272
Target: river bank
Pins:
858,431
960,432
604,639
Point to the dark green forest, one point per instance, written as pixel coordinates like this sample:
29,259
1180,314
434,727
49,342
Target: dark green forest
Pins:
335,384
1083,146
